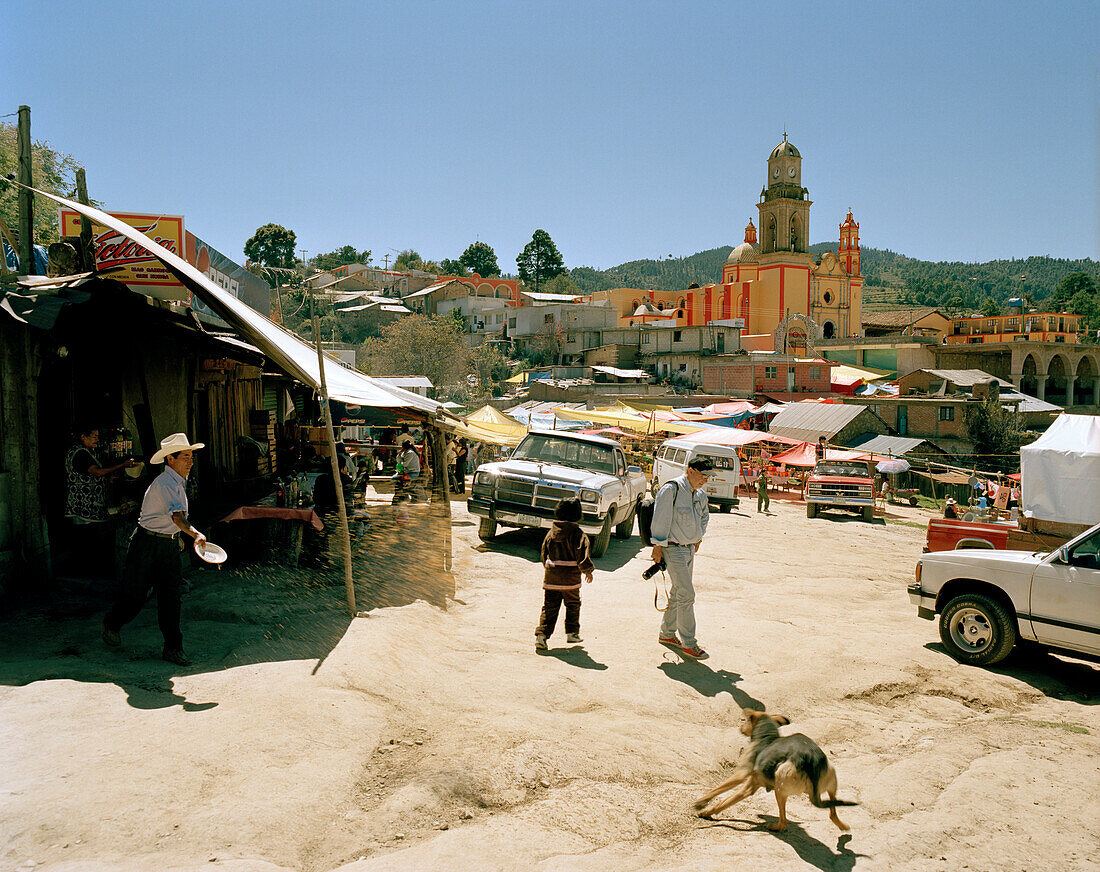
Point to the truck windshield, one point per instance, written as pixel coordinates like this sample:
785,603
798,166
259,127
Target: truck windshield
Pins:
836,467
567,452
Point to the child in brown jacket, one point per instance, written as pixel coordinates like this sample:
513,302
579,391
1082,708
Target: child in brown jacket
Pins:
565,554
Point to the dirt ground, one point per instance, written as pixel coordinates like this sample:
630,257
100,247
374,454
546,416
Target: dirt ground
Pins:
430,735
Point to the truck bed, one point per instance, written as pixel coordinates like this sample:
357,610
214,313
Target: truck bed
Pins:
945,534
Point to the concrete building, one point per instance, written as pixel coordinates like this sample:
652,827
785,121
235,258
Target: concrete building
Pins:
1059,327
768,375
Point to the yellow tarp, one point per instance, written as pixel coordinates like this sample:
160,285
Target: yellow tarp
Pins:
625,417
493,426
847,373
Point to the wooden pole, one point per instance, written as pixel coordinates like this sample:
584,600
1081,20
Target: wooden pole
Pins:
87,255
25,227
326,415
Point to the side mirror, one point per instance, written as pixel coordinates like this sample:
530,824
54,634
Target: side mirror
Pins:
1063,555
633,469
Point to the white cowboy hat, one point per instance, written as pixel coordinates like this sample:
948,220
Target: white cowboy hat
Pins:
175,442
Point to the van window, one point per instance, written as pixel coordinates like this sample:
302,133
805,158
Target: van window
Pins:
722,462
680,456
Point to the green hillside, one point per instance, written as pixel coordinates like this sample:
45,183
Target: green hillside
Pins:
891,279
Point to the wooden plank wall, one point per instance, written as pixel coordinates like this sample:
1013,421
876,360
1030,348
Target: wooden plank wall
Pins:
229,395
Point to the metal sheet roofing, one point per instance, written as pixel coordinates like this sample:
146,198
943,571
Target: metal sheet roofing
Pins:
895,446
807,421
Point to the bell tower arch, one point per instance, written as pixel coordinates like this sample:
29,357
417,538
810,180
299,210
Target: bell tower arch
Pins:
784,204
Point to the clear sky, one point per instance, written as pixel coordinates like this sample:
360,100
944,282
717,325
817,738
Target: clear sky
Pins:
954,131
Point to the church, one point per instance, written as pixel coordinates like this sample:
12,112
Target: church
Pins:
770,281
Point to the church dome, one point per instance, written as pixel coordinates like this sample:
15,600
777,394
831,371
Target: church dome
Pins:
746,252
646,309
784,148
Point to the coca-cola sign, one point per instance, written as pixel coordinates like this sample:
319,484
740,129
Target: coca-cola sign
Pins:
129,262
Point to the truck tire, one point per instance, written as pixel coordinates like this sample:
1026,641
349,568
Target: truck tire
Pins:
977,629
626,529
811,510
603,538
868,514
487,529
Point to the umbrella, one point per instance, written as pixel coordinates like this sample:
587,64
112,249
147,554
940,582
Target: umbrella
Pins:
894,465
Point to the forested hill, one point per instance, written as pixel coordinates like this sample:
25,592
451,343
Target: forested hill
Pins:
891,279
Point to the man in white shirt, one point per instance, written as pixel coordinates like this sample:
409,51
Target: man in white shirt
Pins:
153,558
681,512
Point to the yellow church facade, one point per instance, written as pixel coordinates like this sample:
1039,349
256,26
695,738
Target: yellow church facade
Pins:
767,281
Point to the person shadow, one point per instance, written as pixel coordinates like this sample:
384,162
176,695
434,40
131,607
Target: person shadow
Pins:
710,682
810,850
575,655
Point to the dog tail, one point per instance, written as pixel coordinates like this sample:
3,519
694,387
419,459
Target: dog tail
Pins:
815,797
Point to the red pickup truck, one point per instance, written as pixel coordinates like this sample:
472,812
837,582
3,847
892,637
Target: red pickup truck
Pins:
947,534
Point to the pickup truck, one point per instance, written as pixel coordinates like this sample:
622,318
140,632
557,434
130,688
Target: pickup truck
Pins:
945,534
841,484
988,599
549,466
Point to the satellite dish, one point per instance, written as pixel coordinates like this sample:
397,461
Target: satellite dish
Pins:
974,481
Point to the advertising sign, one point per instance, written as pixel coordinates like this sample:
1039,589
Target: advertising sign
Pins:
129,262
228,275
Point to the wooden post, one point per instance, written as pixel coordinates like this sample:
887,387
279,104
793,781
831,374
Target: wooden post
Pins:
25,227
87,255
326,415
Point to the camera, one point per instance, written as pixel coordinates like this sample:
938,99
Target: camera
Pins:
659,566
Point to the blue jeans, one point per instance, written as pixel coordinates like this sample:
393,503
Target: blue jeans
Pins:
680,615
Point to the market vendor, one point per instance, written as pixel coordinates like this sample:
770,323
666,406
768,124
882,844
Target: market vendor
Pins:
86,497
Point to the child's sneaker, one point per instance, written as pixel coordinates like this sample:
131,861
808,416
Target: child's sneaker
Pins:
540,642
573,638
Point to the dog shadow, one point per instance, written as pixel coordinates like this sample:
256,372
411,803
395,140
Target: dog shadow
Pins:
809,849
575,655
710,682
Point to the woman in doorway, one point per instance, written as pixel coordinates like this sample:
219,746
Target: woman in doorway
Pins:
86,499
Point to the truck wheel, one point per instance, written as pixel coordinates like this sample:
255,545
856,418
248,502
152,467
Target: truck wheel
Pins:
487,529
868,514
977,629
603,539
811,510
626,529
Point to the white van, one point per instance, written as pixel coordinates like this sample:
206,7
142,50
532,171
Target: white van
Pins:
674,455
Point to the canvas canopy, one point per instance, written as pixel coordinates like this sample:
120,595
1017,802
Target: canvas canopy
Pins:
279,345
624,416
805,455
733,436
1061,471
493,426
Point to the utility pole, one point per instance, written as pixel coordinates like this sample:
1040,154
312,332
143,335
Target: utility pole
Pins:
25,226
87,255
326,415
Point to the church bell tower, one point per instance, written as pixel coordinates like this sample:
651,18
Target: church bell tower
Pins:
784,204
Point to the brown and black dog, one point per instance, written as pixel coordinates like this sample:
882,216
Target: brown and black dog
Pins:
789,765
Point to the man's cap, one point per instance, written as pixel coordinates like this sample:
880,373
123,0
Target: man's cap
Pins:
701,464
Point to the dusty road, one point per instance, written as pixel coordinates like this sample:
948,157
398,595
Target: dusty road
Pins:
431,736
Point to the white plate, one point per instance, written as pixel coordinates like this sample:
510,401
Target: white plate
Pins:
211,553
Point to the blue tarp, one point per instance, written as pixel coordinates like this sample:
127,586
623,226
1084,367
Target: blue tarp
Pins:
41,259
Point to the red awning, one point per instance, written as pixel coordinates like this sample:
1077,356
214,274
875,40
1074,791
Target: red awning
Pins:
804,454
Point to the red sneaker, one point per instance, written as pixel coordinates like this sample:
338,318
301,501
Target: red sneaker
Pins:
695,653
671,641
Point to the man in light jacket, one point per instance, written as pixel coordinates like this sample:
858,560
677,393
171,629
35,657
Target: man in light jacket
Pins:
680,515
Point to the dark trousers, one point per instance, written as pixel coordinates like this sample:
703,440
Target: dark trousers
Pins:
763,501
152,564
460,476
551,604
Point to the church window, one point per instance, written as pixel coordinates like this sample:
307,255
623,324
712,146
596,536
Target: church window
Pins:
828,297
677,335
829,330
681,303
679,313
660,307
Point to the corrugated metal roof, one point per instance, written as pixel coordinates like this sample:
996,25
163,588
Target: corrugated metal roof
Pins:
893,445
622,373
1029,403
807,421
897,317
965,378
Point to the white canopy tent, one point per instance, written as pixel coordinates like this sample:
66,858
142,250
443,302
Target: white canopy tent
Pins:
1060,471
280,345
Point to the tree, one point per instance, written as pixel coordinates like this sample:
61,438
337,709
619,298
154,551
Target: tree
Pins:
480,258
561,285
490,367
1068,288
993,431
546,346
990,308
540,260
410,259
452,267
419,345
51,170
272,245
341,256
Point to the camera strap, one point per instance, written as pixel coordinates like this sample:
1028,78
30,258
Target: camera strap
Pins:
657,591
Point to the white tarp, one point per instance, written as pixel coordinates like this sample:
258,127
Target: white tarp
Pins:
280,345
1061,471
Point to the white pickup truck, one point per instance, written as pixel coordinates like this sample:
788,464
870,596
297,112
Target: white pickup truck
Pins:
988,599
549,466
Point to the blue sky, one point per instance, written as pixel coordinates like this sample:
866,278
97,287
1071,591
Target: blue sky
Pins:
954,131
